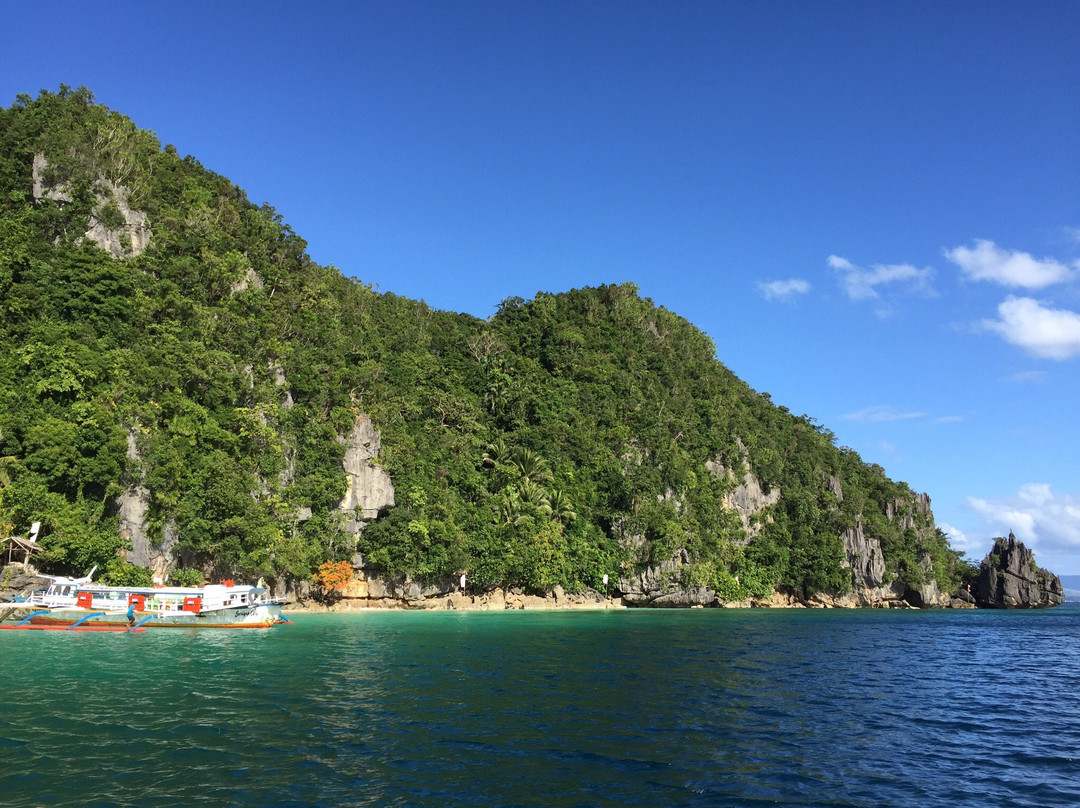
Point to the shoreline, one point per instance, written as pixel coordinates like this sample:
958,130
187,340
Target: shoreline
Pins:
498,600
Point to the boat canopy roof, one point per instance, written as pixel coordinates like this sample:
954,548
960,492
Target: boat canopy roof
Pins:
150,591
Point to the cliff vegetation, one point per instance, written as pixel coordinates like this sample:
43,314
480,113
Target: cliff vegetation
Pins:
183,390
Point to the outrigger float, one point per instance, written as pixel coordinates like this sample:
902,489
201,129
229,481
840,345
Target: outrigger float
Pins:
76,604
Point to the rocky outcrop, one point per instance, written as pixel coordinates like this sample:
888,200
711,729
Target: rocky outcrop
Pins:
927,595
133,505
1009,579
16,581
368,489
114,225
910,513
747,498
863,556
661,585
371,592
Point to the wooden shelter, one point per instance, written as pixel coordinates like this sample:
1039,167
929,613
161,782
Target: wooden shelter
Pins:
19,548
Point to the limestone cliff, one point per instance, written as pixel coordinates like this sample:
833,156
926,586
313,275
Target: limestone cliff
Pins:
864,558
663,585
746,498
114,225
1009,579
368,489
133,505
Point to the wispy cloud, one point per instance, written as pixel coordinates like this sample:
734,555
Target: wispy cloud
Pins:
881,412
988,262
784,290
1040,517
1026,377
1041,331
862,284
950,419
1073,234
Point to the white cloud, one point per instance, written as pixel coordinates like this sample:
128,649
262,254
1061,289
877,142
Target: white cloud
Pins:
961,542
881,412
784,290
862,284
1041,331
1044,520
988,262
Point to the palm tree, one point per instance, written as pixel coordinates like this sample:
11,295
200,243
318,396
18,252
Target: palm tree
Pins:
559,507
532,467
496,453
509,509
532,494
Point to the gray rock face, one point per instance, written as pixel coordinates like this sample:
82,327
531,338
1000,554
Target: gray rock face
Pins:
864,558
16,581
660,586
1009,579
866,561
251,279
895,511
134,503
747,498
126,240
41,189
368,487
134,507
929,595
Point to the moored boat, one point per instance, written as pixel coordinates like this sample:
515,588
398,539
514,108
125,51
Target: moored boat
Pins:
79,604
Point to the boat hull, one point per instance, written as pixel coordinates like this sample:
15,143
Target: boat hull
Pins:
85,620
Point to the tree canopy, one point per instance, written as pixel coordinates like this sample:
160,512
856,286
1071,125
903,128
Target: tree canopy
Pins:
569,436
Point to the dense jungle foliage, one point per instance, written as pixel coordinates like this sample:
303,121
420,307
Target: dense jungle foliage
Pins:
565,438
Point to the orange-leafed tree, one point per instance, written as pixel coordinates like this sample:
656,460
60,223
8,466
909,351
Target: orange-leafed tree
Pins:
334,574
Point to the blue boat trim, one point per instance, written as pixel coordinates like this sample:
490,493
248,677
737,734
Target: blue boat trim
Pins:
82,620
30,616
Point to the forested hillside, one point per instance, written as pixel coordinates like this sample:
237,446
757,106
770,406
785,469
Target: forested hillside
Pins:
177,375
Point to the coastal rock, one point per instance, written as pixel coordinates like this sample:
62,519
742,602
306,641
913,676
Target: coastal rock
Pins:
133,505
927,595
863,556
369,592
368,488
17,581
659,585
865,559
1009,579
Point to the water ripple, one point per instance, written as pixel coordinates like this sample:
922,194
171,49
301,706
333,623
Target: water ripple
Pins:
703,708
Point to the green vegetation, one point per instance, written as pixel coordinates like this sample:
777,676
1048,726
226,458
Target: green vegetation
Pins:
566,438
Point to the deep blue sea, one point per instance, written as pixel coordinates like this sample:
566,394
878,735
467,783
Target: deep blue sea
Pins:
651,708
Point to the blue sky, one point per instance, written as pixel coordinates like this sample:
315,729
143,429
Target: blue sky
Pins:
871,208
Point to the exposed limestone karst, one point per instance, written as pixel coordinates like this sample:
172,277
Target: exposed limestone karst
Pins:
133,505
16,580
121,239
660,585
863,556
1010,579
368,488
747,498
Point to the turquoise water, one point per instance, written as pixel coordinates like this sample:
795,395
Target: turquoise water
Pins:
656,708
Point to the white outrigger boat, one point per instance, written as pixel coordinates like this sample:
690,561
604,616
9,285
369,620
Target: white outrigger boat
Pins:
76,604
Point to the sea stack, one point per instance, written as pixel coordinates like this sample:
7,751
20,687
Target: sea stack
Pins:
1009,579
